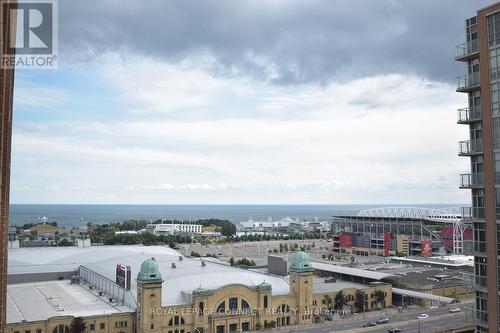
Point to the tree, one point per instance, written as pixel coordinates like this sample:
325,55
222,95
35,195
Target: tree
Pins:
77,325
327,300
379,297
340,301
195,254
359,301
244,262
65,242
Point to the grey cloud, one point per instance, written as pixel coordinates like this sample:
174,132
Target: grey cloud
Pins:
292,42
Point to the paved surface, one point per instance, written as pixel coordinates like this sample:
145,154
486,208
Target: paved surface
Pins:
439,320
257,251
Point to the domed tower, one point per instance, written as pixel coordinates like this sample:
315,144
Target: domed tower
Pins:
301,280
149,294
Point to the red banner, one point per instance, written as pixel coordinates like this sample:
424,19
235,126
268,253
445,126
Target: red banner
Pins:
387,243
426,248
345,241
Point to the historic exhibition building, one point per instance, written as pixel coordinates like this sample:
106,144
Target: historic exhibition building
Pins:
128,289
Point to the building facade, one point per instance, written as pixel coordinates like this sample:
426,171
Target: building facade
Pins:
481,54
231,307
175,228
8,25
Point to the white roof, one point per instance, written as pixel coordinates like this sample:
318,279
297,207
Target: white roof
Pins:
42,300
418,294
178,283
351,271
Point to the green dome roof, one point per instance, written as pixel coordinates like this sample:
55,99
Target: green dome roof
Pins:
150,272
300,262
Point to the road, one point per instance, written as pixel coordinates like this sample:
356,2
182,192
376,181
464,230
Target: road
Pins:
439,319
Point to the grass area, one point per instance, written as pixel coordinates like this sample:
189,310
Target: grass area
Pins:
41,228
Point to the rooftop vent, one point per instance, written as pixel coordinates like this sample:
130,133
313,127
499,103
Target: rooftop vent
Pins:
173,265
180,258
203,263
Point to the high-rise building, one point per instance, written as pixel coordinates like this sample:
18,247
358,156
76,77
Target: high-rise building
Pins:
481,83
7,24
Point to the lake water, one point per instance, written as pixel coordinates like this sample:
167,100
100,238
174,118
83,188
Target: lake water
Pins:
77,215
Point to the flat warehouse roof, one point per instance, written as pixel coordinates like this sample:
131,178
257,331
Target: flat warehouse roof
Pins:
351,271
42,300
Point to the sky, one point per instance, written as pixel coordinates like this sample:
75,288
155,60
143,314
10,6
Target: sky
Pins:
245,102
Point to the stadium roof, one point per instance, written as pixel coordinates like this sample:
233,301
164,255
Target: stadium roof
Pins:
351,271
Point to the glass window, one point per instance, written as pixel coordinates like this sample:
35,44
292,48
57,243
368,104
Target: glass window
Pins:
233,303
494,29
201,307
222,307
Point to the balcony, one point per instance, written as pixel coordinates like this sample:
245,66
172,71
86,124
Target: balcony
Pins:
468,82
472,180
467,50
470,147
468,115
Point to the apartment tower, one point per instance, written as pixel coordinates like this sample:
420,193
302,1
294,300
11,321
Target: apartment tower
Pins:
481,54
7,24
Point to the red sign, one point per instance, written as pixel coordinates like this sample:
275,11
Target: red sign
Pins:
387,243
345,241
426,248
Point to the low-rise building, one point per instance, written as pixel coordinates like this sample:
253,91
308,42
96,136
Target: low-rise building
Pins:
175,228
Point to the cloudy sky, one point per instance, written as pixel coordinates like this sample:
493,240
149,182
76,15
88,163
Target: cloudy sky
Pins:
278,101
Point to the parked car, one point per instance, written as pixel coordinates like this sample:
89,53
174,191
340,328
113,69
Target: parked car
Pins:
383,320
423,316
370,323
455,309
394,330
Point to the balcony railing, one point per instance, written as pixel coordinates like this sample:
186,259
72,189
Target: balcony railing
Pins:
467,48
466,213
466,115
468,81
479,248
469,213
475,281
470,147
469,180
476,317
